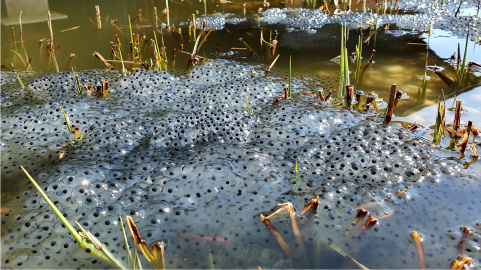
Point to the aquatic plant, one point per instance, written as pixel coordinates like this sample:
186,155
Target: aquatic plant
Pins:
51,50
310,208
86,241
439,126
418,241
77,83
249,112
390,107
18,78
97,249
358,59
344,80
461,70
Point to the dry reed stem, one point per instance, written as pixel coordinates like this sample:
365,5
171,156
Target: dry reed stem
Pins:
370,98
295,227
457,115
156,258
359,93
398,97
464,236
96,54
20,57
418,241
20,25
413,127
13,36
311,207
475,151
274,46
277,236
272,64
51,32
402,192
475,131
371,60
139,15
72,55
371,221
462,263
49,22
464,143
321,95
390,106
70,29
361,213
97,14
167,12
329,95
453,133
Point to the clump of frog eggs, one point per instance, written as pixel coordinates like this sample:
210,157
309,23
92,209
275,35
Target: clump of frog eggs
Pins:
181,155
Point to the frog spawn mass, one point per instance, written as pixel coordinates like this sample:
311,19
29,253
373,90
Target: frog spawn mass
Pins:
181,155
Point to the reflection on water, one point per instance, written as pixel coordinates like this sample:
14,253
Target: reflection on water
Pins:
398,60
206,201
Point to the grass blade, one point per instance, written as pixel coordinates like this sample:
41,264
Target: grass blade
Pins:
54,208
249,112
344,254
130,261
67,121
84,245
437,127
101,249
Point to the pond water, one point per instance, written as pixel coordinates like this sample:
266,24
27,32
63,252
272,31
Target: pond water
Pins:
195,166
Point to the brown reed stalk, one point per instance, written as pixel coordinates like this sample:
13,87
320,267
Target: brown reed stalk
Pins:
97,14
457,115
96,54
277,236
390,107
72,55
464,143
20,25
418,241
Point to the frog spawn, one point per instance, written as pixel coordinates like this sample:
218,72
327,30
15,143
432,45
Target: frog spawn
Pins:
207,192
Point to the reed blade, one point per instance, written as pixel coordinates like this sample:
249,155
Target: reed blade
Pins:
130,260
249,112
83,244
344,254
437,128
418,241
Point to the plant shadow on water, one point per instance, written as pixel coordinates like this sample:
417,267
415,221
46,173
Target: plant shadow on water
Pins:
199,157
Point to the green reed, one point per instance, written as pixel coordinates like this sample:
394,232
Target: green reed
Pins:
290,77
249,112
